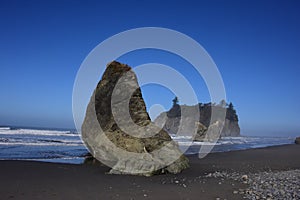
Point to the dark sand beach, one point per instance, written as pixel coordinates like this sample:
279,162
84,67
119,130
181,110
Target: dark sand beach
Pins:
38,180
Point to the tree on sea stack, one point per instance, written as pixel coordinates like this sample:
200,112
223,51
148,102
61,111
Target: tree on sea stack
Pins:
230,106
118,131
222,103
175,101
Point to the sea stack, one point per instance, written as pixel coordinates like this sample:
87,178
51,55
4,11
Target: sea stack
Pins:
118,131
206,127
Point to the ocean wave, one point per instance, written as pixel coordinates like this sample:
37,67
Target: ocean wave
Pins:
58,146
37,132
184,137
197,143
40,141
20,143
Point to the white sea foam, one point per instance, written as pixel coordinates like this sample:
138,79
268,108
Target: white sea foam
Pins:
197,143
181,137
254,141
40,143
37,132
48,144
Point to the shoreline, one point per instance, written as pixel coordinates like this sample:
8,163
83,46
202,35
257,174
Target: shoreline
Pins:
48,160
234,150
209,178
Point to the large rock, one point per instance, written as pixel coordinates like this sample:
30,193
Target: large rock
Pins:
212,133
119,133
201,132
297,140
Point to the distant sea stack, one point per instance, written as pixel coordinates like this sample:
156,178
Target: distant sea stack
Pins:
119,133
230,129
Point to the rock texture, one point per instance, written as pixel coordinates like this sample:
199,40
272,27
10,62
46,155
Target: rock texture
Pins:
119,133
173,117
297,140
201,131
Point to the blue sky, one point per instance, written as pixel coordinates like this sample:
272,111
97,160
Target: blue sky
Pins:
255,45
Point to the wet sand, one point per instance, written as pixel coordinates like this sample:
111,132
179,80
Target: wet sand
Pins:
39,180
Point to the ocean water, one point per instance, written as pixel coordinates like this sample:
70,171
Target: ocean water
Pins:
65,146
